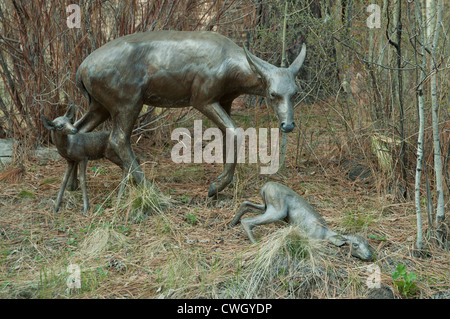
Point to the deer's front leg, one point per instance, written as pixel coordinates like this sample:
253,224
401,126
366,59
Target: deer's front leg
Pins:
219,116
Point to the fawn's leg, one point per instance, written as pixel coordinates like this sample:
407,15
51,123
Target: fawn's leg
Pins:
245,207
271,215
83,165
69,169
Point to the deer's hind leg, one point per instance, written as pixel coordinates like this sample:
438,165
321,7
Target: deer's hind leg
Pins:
271,215
113,157
123,123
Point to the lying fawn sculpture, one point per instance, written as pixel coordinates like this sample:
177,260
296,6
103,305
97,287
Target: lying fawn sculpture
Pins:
79,148
282,202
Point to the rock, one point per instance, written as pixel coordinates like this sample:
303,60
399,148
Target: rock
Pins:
43,154
356,170
47,153
6,147
384,292
5,160
6,150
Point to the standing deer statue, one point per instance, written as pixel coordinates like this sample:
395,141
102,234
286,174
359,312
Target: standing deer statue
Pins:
78,148
202,69
282,202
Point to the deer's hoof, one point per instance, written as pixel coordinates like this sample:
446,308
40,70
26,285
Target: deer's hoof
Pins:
212,190
84,211
218,186
232,224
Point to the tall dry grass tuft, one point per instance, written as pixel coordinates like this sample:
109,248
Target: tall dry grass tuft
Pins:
286,264
146,201
13,175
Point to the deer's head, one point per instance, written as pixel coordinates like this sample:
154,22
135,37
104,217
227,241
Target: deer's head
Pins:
280,86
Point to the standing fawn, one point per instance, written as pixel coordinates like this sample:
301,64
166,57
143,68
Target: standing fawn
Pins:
282,202
78,148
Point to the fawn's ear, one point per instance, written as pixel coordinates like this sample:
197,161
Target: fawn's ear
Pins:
47,123
337,240
70,112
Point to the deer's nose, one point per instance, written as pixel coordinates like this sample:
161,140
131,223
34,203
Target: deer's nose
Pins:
74,131
286,128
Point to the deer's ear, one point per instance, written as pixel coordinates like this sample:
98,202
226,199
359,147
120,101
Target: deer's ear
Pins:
298,62
70,112
337,240
47,123
257,65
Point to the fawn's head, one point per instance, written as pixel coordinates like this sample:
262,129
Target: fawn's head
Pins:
359,247
61,124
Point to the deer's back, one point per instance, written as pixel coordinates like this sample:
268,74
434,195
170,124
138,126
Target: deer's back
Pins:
164,68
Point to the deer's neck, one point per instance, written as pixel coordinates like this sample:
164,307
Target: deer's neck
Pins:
243,79
61,142
254,85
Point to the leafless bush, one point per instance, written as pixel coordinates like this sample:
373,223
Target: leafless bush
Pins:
40,54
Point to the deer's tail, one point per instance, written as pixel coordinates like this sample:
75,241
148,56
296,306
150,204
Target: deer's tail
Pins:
82,87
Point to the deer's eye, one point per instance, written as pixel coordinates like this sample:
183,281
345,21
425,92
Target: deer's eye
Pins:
355,245
59,127
272,95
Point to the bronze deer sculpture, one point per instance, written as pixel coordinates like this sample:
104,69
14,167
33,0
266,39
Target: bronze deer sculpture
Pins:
203,69
78,148
282,202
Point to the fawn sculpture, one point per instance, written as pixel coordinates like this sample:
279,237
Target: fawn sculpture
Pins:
282,202
78,148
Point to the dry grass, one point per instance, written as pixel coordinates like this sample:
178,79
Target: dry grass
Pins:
12,175
185,248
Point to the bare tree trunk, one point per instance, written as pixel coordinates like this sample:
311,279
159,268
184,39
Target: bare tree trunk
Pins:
398,86
403,163
283,64
440,214
431,20
419,238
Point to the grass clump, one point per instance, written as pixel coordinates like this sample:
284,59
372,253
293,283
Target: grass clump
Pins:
297,246
284,260
357,220
146,201
26,194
